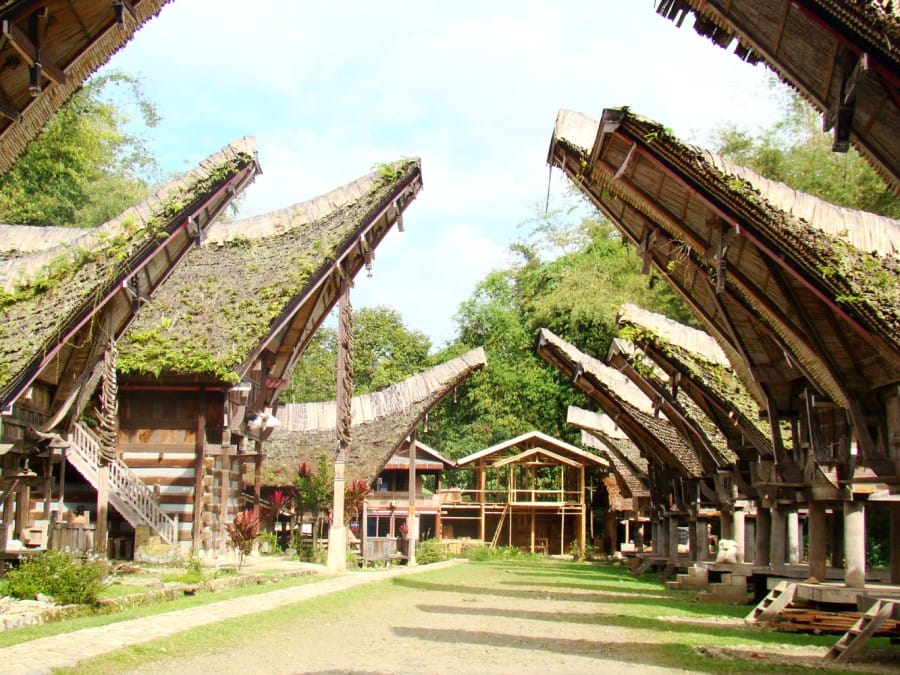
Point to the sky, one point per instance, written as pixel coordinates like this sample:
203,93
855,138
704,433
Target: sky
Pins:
472,88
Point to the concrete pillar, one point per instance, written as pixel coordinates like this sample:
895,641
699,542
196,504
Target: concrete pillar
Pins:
779,537
763,536
818,535
895,543
793,538
855,544
737,531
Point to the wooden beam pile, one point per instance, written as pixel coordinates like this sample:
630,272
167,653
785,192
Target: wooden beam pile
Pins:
811,620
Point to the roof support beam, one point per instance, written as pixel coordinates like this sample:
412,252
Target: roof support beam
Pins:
30,51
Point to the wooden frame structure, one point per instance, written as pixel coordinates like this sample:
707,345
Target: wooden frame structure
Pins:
509,498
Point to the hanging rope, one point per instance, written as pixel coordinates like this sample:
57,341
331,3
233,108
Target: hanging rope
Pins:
108,412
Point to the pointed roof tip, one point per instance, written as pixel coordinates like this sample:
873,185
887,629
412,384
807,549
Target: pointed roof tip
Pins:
21,269
695,341
306,211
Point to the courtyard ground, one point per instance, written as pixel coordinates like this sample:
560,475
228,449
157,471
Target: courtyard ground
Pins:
491,617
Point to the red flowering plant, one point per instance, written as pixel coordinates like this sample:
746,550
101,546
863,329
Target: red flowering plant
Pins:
355,494
242,531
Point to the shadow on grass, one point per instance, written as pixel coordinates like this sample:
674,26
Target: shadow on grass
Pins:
619,596
641,623
612,585
616,653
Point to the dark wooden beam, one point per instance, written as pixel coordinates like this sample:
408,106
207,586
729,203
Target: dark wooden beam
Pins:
29,51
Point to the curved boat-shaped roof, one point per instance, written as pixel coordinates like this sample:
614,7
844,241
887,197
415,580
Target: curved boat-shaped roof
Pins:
766,283
52,299
634,413
836,53
262,286
381,422
74,38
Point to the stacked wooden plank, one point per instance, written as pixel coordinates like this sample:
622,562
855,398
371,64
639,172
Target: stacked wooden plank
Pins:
812,620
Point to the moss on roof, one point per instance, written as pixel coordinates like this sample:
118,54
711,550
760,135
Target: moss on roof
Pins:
45,292
226,296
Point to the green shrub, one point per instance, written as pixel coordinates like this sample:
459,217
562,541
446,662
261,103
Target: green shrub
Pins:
268,543
499,553
69,580
430,551
307,552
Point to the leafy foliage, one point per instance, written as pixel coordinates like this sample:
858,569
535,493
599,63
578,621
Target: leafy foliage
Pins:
242,531
85,168
69,580
576,294
384,353
355,494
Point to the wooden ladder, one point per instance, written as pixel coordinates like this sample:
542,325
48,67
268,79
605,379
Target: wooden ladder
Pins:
770,606
860,632
500,525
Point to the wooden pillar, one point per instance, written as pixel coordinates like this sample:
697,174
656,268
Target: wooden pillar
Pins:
532,529
337,537
101,531
479,485
817,538
257,481
582,533
855,544
199,474
702,540
726,525
895,543
9,502
412,529
763,536
364,531
562,531
225,478
673,539
61,506
48,485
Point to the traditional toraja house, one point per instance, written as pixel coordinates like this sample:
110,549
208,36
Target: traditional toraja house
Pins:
383,427
795,291
48,49
66,298
201,369
840,55
628,495
530,491
675,471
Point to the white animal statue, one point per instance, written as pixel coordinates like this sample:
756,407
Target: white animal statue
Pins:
728,552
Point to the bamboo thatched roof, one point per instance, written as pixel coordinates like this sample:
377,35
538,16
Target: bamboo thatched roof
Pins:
17,241
530,440
265,284
381,422
695,364
601,426
74,39
817,47
765,283
631,410
694,426
52,299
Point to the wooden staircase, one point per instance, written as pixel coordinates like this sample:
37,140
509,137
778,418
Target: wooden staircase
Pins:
867,625
127,493
770,606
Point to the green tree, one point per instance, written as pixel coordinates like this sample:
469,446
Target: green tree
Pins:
384,353
86,166
795,151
